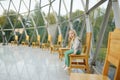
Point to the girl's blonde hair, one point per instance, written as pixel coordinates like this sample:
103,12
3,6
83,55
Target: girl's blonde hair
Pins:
75,34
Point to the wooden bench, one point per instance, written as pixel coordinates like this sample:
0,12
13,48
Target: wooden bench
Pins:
112,57
81,61
61,52
15,40
63,49
26,42
47,45
37,43
55,48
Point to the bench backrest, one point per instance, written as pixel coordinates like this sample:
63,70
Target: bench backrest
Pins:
113,54
16,38
27,38
59,40
88,42
49,38
38,38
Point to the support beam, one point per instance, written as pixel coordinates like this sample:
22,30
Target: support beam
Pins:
88,27
82,29
87,5
95,6
70,17
47,20
46,24
102,31
59,19
83,4
116,11
88,24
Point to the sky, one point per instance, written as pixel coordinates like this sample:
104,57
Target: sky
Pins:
76,5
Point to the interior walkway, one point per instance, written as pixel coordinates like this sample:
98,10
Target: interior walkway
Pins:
27,63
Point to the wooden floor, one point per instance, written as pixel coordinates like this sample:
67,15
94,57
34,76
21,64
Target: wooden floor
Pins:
27,63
